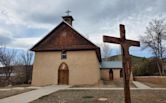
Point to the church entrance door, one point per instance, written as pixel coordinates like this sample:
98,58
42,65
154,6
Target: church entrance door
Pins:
63,74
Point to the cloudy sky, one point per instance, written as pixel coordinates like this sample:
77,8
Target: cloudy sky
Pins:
24,22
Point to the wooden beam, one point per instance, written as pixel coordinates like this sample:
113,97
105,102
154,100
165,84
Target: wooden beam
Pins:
122,32
110,39
133,43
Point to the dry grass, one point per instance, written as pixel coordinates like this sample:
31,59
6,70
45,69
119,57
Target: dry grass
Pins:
8,93
155,85
113,96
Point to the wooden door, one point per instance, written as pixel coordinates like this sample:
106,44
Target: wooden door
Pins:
111,74
63,74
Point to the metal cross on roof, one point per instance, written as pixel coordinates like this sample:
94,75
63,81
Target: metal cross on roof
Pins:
68,12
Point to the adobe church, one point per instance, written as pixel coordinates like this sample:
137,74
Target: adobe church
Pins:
64,56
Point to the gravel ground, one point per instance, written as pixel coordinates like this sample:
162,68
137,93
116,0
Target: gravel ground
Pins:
112,96
4,94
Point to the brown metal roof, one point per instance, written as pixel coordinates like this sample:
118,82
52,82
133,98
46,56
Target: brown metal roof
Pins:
64,37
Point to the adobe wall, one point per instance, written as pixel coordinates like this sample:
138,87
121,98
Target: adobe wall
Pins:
105,74
116,74
151,79
83,67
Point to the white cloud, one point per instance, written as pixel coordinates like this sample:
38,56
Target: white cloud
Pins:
94,19
24,43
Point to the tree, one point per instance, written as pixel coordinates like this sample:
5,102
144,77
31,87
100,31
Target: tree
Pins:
154,40
7,60
106,50
146,68
26,59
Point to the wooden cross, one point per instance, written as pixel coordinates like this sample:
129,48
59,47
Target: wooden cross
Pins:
125,44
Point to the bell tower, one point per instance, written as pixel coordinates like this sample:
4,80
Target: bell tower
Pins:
68,18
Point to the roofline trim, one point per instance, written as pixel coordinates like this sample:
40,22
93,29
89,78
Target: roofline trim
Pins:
49,33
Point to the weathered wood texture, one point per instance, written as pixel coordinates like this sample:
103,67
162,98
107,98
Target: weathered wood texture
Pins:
125,44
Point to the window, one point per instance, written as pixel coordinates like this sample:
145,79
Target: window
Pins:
63,55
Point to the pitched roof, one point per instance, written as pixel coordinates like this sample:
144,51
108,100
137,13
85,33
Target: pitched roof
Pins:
111,64
65,37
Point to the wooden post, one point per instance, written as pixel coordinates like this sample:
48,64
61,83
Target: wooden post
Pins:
126,60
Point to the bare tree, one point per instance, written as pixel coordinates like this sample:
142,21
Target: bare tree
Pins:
106,50
155,40
118,53
26,59
7,60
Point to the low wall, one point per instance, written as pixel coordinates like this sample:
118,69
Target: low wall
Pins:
151,79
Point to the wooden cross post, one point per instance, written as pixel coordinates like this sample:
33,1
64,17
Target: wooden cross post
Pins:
125,44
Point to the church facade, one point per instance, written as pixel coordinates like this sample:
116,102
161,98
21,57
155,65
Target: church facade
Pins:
64,56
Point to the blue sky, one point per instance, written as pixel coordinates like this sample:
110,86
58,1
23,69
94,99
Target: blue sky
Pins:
24,22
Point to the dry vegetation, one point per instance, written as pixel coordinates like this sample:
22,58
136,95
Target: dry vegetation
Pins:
113,96
155,85
8,93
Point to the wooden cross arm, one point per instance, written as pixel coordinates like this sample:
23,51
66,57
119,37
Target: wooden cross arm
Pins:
133,43
111,39
115,40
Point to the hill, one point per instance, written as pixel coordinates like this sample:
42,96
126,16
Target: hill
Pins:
135,60
119,57
141,66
